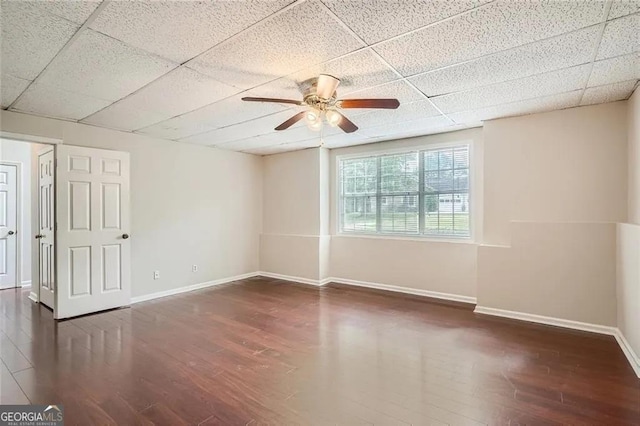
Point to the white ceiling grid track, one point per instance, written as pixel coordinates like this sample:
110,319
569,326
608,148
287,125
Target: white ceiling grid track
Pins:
178,70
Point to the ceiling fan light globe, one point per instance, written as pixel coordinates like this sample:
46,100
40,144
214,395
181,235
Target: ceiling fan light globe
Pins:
315,126
312,116
333,118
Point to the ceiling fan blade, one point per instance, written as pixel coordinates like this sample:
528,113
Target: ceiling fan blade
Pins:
275,100
290,122
347,125
326,86
369,103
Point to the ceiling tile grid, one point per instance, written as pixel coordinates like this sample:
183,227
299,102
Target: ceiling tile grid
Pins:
564,80
49,101
492,28
608,93
10,89
377,20
474,59
177,92
30,38
620,37
615,70
529,106
181,30
624,7
103,67
555,53
291,41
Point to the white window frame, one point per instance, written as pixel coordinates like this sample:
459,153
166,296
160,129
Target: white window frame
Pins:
418,236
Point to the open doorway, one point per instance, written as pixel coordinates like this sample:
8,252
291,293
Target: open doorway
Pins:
27,221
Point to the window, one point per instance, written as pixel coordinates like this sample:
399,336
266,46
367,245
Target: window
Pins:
422,192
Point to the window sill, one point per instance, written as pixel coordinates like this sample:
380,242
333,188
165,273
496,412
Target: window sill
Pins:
422,239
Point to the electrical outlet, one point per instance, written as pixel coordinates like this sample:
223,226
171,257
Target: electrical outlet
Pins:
156,275
194,268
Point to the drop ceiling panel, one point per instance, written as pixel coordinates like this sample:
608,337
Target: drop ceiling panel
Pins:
346,139
76,11
529,106
118,116
257,127
620,37
615,70
406,112
489,29
248,143
103,67
410,128
376,20
30,38
608,93
624,7
276,149
293,40
560,81
356,71
555,53
41,99
397,89
10,88
180,91
180,30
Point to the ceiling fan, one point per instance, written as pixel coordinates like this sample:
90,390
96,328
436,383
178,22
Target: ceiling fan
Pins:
321,100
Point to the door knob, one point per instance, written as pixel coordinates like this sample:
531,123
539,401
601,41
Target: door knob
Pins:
11,232
39,236
125,236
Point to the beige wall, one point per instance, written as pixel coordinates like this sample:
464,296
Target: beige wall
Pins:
560,270
189,204
293,241
628,247
561,166
20,152
555,186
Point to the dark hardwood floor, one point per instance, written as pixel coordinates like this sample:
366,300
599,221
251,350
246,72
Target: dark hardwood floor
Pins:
263,351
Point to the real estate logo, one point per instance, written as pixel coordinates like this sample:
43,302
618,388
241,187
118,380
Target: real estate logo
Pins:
31,415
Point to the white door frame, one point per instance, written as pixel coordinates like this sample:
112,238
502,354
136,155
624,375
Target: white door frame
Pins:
18,231
21,137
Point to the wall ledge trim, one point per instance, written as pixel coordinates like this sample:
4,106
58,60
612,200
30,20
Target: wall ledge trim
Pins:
33,296
25,284
192,287
628,351
405,290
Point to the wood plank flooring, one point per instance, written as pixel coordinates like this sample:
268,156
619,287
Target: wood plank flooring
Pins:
263,351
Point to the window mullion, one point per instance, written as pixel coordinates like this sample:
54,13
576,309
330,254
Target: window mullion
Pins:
420,193
378,191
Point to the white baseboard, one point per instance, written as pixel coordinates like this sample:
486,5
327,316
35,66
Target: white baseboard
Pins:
540,319
294,279
633,358
193,287
25,284
406,290
33,296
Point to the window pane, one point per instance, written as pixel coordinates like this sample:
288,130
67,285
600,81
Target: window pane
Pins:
461,215
359,214
359,176
399,173
399,214
446,191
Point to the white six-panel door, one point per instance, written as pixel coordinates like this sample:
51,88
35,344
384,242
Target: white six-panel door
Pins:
8,222
46,230
93,261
